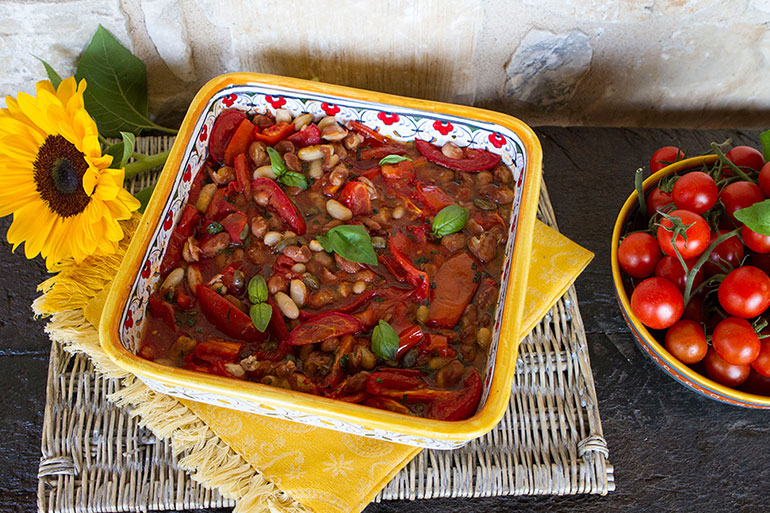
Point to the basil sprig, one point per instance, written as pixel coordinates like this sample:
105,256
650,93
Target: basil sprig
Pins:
260,312
756,217
384,340
450,219
283,175
393,159
351,242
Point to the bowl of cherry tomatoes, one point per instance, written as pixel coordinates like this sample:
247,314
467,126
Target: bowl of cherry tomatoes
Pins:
691,266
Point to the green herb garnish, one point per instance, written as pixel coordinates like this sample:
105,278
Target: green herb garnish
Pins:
450,219
393,159
351,242
260,315
286,177
384,340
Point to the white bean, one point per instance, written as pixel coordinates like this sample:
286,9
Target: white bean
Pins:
298,292
310,153
315,246
327,121
302,121
173,279
333,133
359,286
287,306
298,268
235,369
265,172
398,212
282,115
338,211
194,277
272,238
316,169
204,197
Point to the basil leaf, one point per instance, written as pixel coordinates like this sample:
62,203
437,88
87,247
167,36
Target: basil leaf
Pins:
393,159
292,179
351,242
764,138
144,197
116,96
450,219
52,75
756,217
122,151
214,228
384,340
260,315
279,168
257,289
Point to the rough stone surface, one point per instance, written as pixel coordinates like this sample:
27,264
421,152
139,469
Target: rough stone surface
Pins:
167,29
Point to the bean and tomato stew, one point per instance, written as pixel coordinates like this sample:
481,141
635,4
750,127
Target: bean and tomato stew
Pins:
332,260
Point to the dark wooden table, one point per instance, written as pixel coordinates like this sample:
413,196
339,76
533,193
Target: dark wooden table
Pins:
672,449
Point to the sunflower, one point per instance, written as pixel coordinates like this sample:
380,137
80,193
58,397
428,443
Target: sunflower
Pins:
65,200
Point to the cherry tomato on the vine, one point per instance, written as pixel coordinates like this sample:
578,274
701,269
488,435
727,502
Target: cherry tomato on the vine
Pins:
728,253
657,201
756,383
692,242
745,292
638,254
764,179
735,341
746,157
687,341
657,303
756,242
665,156
670,268
725,373
761,363
738,195
696,192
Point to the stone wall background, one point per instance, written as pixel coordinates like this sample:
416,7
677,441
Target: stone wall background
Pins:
685,63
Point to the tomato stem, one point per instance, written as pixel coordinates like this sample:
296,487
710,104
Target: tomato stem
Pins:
727,162
688,292
638,180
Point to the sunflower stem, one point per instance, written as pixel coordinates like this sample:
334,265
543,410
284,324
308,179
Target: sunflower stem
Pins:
144,162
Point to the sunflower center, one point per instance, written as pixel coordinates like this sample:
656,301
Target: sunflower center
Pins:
59,169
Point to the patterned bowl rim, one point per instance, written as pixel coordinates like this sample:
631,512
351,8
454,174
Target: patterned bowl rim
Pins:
499,389
662,358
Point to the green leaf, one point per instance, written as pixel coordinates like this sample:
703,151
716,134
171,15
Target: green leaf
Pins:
384,340
393,159
351,242
214,228
257,289
450,219
144,197
764,138
756,217
52,75
292,179
279,168
122,151
260,315
116,96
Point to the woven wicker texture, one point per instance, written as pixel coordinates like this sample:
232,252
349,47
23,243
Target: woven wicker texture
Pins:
96,458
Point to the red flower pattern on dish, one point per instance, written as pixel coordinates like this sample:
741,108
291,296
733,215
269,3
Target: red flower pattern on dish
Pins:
387,117
497,139
277,102
443,127
330,109
229,100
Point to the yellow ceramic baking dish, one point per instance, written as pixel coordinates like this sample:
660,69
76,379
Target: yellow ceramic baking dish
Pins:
397,117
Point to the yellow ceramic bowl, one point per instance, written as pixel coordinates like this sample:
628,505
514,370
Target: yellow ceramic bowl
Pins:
665,360
401,118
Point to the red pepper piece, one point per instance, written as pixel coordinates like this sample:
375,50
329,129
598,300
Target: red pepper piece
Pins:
456,283
277,327
184,300
324,326
392,384
281,203
228,274
162,310
407,339
432,197
436,345
474,161
217,349
336,373
418,279
240,141
383,403
274,133
381,152
189,221
186,226
403,170
371,137
458,405
223,129
226,317
355,196
218,368
197,367
235,224
488,220
195,188
243,175
219,205
308,136
353,398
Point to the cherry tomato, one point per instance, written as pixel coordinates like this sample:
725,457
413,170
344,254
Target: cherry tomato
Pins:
745,292
687,342
696,192
756,383
671,269
756,242
740,195
694,310
735,341
638,254
657,200
761,363
665,156
746,157
697,235
725,373
657,303
728,253
764,179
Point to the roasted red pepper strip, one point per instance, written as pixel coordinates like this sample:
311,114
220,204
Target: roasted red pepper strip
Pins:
240,141
243,175
226,317
433,197
474,161
223,129
456,282
407,339
336,373
403,171
488,220
383,403
274,133
458,405
436,345
355,196
324,326
418,279
371,137
195,188
184,300
216,349
277,327
186,226
383,151
189,221
219,206
308,136
162,310
235,224
281,203
392,384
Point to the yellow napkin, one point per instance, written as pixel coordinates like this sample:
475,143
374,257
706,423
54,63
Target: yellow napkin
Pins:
335,472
